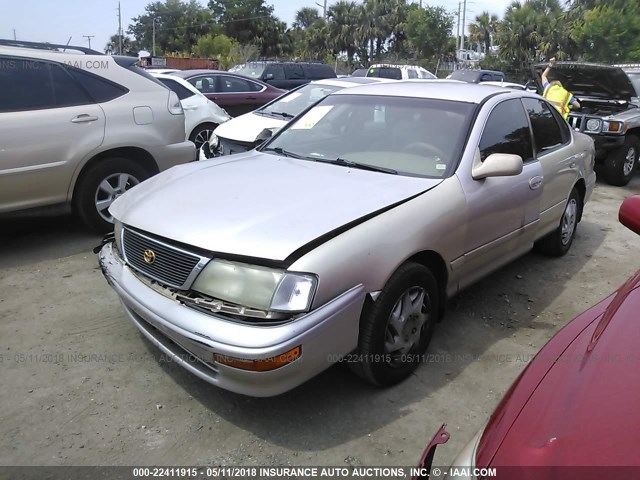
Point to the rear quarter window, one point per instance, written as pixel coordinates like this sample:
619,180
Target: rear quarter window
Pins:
100,90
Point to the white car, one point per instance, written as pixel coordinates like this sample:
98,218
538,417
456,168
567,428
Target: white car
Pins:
515,86
245,132
201,115
399,72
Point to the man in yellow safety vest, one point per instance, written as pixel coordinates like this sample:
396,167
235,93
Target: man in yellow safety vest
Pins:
557,94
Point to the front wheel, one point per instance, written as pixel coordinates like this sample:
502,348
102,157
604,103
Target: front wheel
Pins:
558,242
621,162
101,185
396,330
201,135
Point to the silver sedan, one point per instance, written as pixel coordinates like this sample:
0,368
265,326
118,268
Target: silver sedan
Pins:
342,236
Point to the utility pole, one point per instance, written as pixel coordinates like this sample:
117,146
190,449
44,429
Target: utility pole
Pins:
153,28
89,37
119,30
324,9
464,13
14,34
458,29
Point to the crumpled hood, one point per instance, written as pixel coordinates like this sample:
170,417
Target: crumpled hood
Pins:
247,127
591,80
259,205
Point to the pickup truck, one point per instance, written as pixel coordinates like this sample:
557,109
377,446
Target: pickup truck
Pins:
609,112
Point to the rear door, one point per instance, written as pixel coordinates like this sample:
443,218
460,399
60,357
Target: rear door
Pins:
559,161
240,95
48,124
503,212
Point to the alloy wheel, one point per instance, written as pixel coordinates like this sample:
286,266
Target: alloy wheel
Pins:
111,188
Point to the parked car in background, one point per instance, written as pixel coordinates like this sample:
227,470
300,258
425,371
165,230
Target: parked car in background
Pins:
202,116
251,129
359,72
154,70
398,72
346,232
608,112
286,75
579,390
516,86
477,76
78,128
235,93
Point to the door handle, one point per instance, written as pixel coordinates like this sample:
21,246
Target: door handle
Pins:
84,118
252,98
572,165
535,182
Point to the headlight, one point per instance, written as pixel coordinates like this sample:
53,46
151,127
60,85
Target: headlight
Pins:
256,286
593,124
117,232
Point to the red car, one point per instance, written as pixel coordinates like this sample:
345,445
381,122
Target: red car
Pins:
573,412
235,93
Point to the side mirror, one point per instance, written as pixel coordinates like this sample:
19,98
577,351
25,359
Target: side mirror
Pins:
629,214
496,165
266,134
268,76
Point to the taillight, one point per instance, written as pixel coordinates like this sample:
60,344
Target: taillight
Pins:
174,106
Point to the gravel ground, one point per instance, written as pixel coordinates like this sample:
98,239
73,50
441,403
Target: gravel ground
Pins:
81,386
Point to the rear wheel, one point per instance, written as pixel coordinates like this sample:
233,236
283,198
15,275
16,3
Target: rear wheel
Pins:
558,242
396,330
101,185
621,162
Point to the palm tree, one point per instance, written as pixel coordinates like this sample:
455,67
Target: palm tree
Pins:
483,29
305,17
342,16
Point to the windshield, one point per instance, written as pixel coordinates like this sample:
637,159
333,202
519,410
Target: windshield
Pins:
385,72
292,103
412,136
250,69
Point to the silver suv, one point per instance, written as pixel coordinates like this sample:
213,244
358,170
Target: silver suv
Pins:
78,128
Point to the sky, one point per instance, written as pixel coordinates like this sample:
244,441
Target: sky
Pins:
55,22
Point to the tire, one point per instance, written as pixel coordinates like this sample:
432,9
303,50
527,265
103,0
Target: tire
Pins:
381,361
121,174
621,163
558,242
201,134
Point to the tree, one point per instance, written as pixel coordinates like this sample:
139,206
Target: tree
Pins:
609,33
214,46
252,22
483,29
178,25
305,17
129,47
429,29
342,17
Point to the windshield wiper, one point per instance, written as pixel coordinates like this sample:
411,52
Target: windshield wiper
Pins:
361,166
285,153
280,114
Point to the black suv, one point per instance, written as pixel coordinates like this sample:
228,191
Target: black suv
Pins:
285,75
609,112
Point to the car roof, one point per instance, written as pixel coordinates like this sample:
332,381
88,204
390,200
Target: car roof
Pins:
432,89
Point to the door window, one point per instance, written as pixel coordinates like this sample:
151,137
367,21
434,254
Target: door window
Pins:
276,70
412,73
546,129
205,84
35,85
100,89
293,72
228,84
507,131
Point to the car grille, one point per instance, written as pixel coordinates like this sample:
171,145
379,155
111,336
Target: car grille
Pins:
168,264
575,121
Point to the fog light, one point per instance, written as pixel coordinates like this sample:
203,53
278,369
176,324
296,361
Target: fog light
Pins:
262,365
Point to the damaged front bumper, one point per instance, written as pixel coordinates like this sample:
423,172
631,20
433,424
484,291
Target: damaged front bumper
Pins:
195,340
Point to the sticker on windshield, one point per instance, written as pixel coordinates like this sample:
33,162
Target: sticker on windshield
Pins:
290,97
312,117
